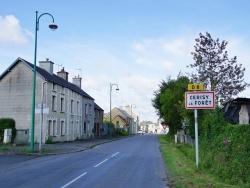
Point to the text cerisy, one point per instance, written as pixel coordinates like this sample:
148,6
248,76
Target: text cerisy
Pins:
202,97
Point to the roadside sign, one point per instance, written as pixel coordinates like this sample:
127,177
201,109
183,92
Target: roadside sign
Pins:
164,126
195,87
40,105
199,100
45,110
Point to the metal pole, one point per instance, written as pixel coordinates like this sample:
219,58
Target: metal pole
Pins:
33,93
110,110
196,137
32,127
131,132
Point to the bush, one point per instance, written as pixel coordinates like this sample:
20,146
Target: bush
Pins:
122,133
49,140
7,123
224,148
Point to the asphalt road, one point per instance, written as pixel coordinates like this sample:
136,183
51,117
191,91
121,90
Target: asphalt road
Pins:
133,162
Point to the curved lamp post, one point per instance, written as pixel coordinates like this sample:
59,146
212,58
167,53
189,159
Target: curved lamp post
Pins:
110,105
132,121
52,26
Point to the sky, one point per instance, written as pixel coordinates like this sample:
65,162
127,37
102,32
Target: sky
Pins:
132,43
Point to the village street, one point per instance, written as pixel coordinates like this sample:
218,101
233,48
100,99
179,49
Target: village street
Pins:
129,162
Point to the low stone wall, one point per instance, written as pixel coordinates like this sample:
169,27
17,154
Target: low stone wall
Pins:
184,138
22,136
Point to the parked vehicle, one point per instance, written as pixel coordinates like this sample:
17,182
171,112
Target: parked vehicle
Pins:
140,132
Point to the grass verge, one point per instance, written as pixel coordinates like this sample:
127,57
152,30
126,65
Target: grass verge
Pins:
4,147
183,170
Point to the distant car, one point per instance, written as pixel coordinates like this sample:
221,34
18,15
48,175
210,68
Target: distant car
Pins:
140,132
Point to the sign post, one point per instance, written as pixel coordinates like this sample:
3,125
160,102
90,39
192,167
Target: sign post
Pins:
196,137
164,127
199,100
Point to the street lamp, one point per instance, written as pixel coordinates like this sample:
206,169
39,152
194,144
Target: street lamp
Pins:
52,26
132,121
140,120
110,104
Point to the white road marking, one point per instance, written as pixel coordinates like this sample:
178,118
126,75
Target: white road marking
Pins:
66,185
115,154
74,180
101,163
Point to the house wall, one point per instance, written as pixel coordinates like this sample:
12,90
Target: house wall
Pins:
16,102
16,92
243,115
89,114
64,119
122,124
98,122
78,122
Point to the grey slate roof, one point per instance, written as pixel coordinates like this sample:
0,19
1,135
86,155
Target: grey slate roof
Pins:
97,107
49,77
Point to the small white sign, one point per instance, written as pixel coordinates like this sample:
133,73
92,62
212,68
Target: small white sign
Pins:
40,105
45,110
199,100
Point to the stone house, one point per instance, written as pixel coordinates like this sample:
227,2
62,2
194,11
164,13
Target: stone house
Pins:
237,111
135,119
98,120
68,111
120,118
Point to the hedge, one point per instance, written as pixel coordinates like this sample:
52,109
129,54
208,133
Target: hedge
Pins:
7,123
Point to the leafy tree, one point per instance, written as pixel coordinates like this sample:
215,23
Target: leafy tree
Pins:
215,69
156,101
169,102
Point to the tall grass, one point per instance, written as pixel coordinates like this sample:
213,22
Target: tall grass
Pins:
180,162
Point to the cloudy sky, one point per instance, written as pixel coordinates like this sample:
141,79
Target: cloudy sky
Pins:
132,43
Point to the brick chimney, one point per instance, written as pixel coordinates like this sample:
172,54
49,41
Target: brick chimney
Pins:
63,74
77,81
47,65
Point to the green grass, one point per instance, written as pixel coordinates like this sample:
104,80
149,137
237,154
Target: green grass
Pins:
4,147
180,162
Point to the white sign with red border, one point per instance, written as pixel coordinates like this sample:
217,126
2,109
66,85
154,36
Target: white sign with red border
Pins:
199,100
164,126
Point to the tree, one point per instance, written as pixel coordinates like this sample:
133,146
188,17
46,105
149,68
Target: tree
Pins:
156,101
215,69
169,102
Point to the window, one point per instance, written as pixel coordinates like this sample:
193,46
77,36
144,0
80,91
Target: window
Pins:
53,86
90,110
53,103
77,107
54,128
50,128
97,113
85,127
71,106
62,105
62,128
63,90
86,109
117,123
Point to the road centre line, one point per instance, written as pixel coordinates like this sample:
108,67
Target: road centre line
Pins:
105,160
101,163
115,154
66,185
